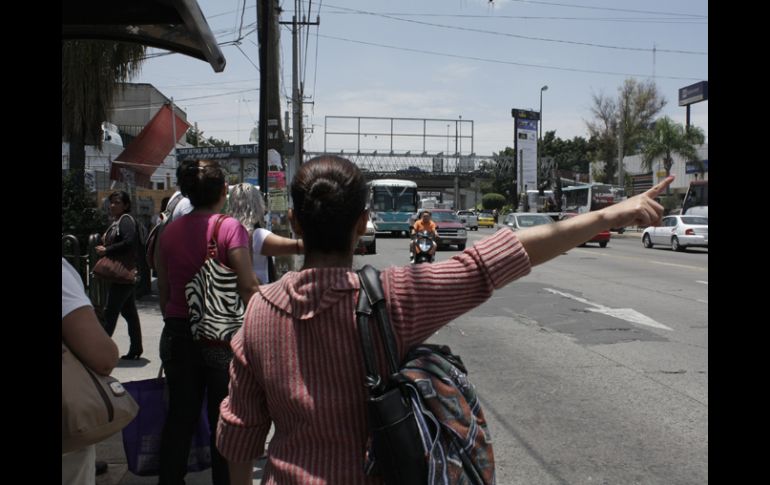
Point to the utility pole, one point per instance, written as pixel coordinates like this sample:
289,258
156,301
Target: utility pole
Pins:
270,130
296,94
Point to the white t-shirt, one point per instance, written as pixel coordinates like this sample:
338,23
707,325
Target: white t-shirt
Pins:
259,263
182,207
73,295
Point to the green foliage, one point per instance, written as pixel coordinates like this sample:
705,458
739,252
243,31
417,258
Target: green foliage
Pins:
79,213
493,201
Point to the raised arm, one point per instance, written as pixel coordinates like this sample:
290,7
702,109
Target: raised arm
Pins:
547,241
275,245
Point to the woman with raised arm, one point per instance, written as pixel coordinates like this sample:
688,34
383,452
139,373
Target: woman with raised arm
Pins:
298,362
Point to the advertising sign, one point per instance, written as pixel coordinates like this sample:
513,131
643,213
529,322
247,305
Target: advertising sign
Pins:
694,93
526,148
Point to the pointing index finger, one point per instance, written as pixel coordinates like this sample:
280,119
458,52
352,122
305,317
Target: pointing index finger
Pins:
658,189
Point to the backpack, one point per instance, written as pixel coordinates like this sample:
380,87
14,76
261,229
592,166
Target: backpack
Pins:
425,419
150,246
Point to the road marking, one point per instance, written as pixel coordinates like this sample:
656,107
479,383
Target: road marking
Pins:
703,301
703,282
627,314
678,265
636,258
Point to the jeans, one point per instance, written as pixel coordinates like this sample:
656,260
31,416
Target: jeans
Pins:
121,300
188,376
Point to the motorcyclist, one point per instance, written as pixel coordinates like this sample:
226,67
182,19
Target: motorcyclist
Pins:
424,223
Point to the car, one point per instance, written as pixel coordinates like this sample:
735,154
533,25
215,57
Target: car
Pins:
603,238
469,219
679,232
367,244
486,219
520,220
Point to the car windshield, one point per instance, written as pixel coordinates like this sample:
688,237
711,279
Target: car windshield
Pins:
444,217
696,220
533,220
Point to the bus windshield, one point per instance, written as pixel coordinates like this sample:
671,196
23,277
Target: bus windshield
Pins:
393,199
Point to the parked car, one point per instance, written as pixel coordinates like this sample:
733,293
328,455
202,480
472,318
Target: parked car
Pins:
520,220
602,238
469,219
367,244
679,232
486,219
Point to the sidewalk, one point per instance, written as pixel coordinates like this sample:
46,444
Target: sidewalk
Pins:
111,449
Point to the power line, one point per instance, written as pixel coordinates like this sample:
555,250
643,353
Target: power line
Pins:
663,20
506,34
609,8
497,61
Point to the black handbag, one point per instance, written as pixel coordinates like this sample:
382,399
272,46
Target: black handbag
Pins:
399,453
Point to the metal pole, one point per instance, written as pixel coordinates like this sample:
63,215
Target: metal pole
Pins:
296,103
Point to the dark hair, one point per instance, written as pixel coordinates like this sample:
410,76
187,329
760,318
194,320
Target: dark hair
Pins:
329,194
425,211
123,196
164,203
201,181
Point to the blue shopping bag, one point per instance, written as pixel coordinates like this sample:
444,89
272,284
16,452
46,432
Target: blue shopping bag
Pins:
141,438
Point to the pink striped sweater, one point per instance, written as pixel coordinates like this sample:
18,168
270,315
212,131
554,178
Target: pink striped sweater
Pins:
298,362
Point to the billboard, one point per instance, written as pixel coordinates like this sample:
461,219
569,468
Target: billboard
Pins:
694,93
526,148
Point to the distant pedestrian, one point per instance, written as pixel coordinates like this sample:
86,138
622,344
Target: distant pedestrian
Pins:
121,240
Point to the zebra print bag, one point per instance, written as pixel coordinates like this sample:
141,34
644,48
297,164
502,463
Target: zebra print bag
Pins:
214,304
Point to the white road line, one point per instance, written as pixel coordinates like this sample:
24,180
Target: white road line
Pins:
679,265
703,282
703,301
627,314
635,258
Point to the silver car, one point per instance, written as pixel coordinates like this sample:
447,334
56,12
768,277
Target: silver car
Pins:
367,243
469,219
679,232
519,220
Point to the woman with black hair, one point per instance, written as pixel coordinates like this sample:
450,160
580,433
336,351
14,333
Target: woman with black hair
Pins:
298,363
194,367
121,241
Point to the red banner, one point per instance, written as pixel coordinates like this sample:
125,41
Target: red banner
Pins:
148,150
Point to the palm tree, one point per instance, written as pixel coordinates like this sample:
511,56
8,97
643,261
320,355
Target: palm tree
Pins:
669,138
91,71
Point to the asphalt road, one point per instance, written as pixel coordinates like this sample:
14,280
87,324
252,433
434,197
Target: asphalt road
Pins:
592,369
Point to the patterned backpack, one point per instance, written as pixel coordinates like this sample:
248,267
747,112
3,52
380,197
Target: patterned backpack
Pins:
427,426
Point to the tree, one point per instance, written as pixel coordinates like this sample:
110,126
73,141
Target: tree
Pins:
493,201
670,138
79,214
91,72
626,119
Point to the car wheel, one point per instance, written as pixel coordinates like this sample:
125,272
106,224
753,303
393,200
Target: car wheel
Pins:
675,244
603,244
372,248
646,241
461,246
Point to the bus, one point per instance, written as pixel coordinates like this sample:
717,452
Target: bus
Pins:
393,202
589,197
696,201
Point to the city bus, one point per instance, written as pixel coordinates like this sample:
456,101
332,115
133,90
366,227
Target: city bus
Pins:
696,201
393,202
591,197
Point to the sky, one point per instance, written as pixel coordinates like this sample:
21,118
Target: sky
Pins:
443,59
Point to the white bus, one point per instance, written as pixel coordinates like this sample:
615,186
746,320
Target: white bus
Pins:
393,202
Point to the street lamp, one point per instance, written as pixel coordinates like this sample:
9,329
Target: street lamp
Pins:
540,125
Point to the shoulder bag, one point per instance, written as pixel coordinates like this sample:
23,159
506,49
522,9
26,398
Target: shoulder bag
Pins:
93,407
119,268
214,304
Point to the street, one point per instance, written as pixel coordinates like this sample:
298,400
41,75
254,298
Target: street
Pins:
594,367
591,369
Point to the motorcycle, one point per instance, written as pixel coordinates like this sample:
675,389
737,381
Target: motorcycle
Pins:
423,242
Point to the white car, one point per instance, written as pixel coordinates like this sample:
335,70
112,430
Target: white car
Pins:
368,242
469,219
679,232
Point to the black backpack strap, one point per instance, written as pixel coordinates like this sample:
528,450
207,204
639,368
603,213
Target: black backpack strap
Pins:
370,283
363,314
